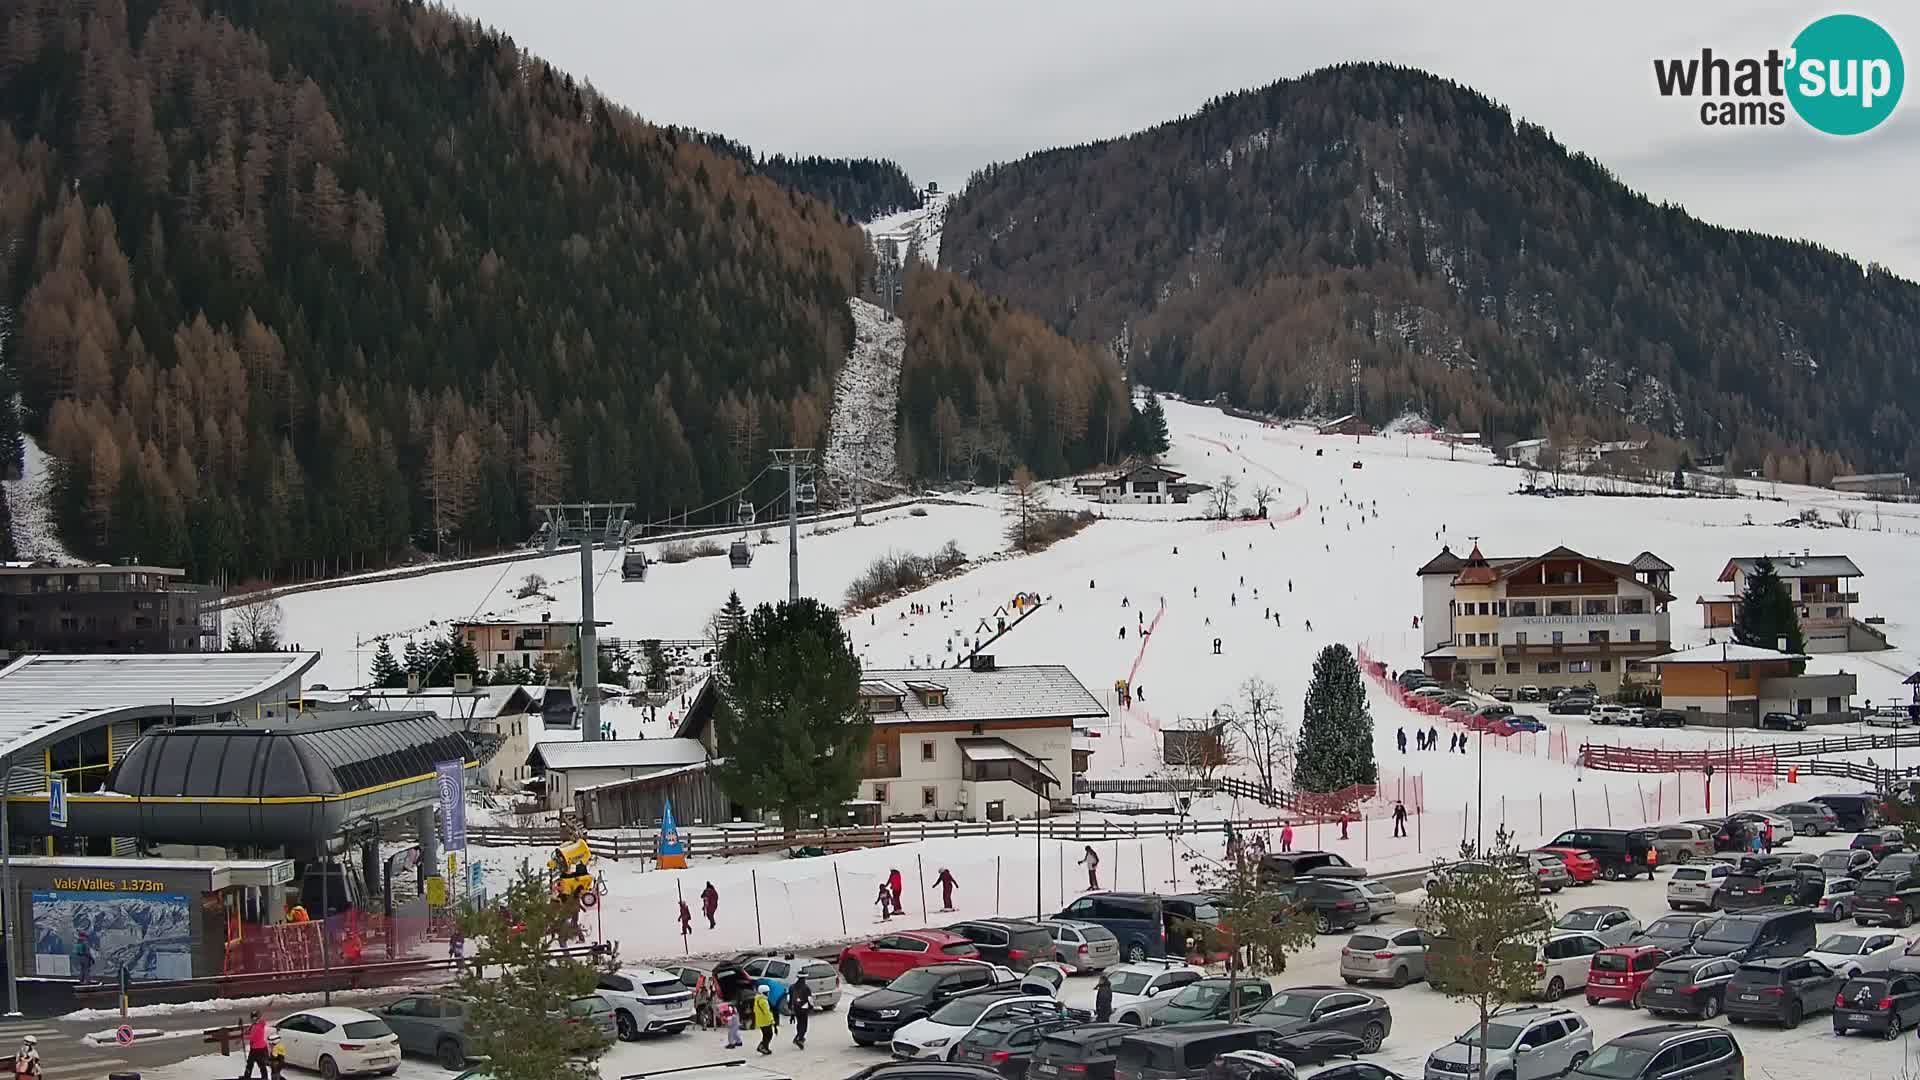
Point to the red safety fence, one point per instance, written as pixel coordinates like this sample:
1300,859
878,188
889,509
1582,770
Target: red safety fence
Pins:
350,937
1644,759
1552,744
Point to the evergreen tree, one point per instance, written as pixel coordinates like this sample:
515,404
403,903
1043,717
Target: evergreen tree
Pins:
732,615
1336,730
657,660
413,661
1766,611
386,671
1150,438
449,656
791,735
235,641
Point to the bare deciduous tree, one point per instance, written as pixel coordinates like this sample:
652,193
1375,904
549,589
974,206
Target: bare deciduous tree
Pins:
1223,493
255,627
1191,754
1262,494
1260,722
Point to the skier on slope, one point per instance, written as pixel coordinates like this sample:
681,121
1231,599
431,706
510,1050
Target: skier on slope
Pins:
709,903
947,884
1400,737
1091,860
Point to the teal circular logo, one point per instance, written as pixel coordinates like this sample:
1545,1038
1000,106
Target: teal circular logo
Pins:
1847,75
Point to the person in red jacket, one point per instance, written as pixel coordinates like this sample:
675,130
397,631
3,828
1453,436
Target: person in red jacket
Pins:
947,885
894,886
257,1047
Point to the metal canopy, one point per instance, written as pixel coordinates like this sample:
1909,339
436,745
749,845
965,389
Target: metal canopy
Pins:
45,697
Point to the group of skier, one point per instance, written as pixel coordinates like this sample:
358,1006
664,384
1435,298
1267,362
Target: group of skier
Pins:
1430,740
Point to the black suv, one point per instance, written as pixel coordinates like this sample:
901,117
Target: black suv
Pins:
1621,853
1758,887
1006,1044
1337,906
874,1016
1297,1010
1697,1053
1571,705
1881,1002
1663,718
1084,1052
1211,998
1185,1052
1762,932
1013,942
1855,812
1782,990
1890,899
1880,841
1689,985
1288,865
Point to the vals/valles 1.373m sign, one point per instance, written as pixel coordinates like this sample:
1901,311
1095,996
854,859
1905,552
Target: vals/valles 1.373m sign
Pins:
1842,75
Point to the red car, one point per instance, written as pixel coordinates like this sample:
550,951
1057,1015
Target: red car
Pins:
1580,863
1618,974
885,958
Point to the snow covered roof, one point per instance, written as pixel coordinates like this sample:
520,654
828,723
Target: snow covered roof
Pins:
1037,692
482,703
1444,563
1157,471
1727,653
45,696
621,754
1797,566
991,749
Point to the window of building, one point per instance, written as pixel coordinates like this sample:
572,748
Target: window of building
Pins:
506,634
1633,635
927,750
1598,607
879,793
1559,607
1500,608
1579,667
1606,665
1513,667
1633,605
1804,706
1520,637
1833,613
1526,608
1833,704
1486,669
1599,637
1496,638
1549,667
1561,577
879,753
929,796
1743,671
1559,637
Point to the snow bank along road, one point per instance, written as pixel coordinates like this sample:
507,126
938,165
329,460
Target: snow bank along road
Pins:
1422,1018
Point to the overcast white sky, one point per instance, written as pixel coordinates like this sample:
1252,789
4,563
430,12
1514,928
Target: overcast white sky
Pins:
945,89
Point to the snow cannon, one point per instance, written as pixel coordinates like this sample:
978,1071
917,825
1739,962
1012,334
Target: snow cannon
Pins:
569,855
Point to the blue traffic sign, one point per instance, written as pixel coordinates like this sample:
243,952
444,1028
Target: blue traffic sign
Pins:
57,803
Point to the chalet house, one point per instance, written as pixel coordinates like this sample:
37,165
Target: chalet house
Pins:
1890,483
975,743
1349,424
570,767
1731,684
510,642
1556,619
1146,484
1823,594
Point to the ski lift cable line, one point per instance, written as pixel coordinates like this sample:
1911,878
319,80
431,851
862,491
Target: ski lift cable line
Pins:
684,514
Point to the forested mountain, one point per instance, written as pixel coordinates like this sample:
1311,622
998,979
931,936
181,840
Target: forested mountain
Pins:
299,285
861,188
1474,268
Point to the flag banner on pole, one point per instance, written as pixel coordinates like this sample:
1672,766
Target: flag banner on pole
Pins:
673,850
452,778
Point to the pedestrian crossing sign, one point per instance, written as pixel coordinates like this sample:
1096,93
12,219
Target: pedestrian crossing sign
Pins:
57,803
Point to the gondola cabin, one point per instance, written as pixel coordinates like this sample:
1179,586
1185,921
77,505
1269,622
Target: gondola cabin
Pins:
633,565
740,554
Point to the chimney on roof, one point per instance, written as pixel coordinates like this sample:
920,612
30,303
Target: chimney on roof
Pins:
545,615
982,662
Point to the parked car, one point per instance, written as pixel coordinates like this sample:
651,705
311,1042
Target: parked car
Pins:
1852,954
935,1035
597,1013
1017,943
1526,1043
1893,716
1441,876
1502,693
1006,1044
1880,841
1622,853
1782,990
1413,679
1618,974
1610,923
1561,963
1897,863
779,973
1809,818
1846,862
432,1025
1753,935
1393,955
875,1016
1550,871
1855,812
1608,713
1674,933
337,1041
1632,716
886,1070
1211,998
1529,693
1526,722
1185,1052
1581,865
1783,830
1675,1051
1571,705
1311,1048
647,1001
1081,1052
1144,923
1082,946
1697,886
892,955
1887,899
1337,905
1683,843
1744,890
1908,962
1689,986
1666,718
1300,1009
1382,901
1134,983
1836,899
1427,691
1287,865
1881,1003
1783,721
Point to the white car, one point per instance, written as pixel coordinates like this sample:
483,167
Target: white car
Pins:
1136,984
1381,900
934,1037
1852,953
338,1042
1697,886
1610,923
1082,946
1608,714
1427,691
1560,963
1782,827
647,1000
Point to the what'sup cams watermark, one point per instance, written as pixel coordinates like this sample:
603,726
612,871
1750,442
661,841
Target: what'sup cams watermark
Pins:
1842,75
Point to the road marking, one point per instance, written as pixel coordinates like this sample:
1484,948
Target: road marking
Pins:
93,1065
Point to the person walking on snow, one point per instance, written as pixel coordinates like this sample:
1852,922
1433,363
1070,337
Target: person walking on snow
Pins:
730,1016
1344,818
800,1002
1433,738
947,885
686,920
763,1020
894,885
1399,818
257,1045
709,903
1091,860
1286,836
1103,999
26,1060
1400,737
